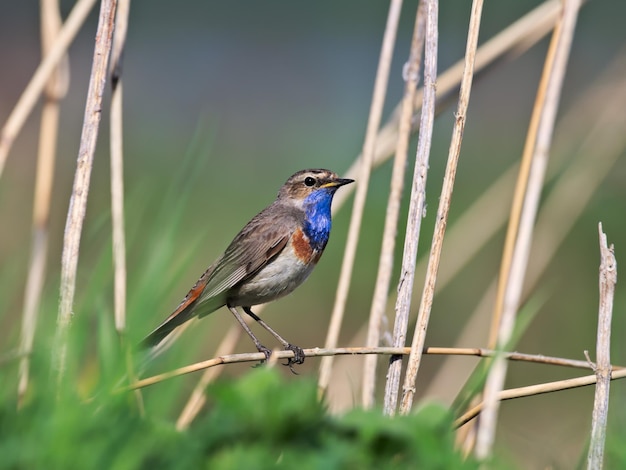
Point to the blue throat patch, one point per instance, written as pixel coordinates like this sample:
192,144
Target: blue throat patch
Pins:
317,217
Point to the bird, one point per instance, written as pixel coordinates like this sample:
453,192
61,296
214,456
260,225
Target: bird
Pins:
272,255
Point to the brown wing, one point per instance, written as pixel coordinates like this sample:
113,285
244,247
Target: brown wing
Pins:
256,244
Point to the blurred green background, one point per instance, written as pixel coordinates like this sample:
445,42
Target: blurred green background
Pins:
225,100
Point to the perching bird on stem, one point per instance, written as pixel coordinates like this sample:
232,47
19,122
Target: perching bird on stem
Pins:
271,256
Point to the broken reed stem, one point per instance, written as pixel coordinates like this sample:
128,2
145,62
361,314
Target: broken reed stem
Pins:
545,116
416,206
608,279
54,91
369,147
78,199
390,231
419,336
403,351
33,90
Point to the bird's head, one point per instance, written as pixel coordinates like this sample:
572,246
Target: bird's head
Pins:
305,183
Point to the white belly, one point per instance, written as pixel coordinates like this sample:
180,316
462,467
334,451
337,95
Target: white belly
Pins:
278,278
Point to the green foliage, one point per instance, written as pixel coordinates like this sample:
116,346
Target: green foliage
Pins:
258,421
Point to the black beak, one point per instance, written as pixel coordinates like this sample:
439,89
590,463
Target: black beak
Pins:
337,182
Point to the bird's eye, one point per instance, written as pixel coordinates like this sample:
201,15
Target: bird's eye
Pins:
309,181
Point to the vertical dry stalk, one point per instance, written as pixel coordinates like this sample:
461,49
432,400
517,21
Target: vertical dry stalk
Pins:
385,263
555,11
416,206
30,95
117,166
55,91
78,199
419,336
369,148
117,187
554,73
608,279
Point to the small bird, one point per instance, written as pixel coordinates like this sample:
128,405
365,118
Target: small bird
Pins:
272,255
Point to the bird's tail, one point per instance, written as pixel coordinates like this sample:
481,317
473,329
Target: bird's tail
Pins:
168,326
187,309
192,306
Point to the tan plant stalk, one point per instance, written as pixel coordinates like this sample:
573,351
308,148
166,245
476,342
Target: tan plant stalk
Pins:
416,206
553,77
117,166
321,352
117,187
538,389
608,279
78,199
54,92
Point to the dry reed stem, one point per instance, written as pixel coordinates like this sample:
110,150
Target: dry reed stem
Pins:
514,218
385,263
608,279
319,352
605,140
78,199
117,167
38,82
539,389
419,336
553,77
416,206
117,188
54,92
369,148
519,194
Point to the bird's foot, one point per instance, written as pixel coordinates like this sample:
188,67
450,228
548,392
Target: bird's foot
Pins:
267,352
298,357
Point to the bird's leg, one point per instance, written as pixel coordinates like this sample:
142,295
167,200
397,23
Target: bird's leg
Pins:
298,353
245,326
